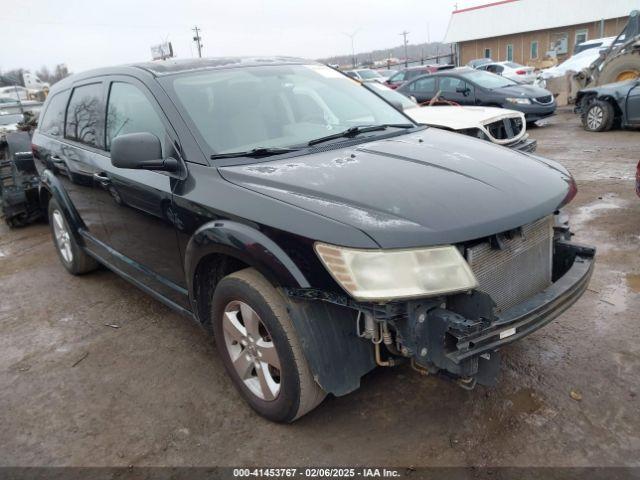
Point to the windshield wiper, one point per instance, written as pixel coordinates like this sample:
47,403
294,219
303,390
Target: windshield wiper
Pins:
254,153
353,131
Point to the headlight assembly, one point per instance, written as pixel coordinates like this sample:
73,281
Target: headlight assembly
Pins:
378,275
519,100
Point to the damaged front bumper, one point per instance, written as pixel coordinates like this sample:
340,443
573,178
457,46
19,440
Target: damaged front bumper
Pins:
462,338
457,335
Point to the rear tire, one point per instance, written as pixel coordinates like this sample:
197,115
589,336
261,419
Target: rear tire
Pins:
598,116
244,303
72,256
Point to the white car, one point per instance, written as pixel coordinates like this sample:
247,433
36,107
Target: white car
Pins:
498,125
514,71
15,92
365,75
576,63
598,43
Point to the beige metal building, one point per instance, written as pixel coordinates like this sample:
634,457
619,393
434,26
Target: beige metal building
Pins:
527,31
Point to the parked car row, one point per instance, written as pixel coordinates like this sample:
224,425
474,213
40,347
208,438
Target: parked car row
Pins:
466,86
497,125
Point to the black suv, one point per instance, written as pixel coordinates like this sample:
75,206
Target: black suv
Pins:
312,227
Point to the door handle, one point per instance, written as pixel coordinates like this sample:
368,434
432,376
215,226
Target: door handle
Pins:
102,179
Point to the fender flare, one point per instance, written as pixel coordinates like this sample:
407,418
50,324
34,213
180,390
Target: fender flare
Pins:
50,184
246,244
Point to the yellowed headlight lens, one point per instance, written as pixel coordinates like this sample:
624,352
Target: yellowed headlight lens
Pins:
379,275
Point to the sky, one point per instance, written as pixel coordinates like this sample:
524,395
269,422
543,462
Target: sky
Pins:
87,35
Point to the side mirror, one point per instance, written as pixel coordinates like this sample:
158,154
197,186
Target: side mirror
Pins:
140,151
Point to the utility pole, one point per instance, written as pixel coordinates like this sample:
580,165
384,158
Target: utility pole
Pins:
404,35
197,38
353,51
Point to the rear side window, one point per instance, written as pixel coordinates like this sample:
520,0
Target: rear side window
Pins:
84,116
450,84
130,111
426,84
52,123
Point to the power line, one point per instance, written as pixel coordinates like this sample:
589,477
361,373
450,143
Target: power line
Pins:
197,38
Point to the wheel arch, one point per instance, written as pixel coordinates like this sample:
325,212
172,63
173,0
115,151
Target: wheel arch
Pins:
50,187
221,247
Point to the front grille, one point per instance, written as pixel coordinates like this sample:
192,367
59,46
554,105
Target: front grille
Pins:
520,269
505,128
545,99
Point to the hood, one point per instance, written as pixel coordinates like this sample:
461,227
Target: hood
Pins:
616,88
457,118
529,91
426,188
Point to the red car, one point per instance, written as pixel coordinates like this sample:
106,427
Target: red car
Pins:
409,73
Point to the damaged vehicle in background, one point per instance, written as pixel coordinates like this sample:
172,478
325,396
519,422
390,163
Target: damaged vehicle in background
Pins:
612,105
19,180
501,126
315,229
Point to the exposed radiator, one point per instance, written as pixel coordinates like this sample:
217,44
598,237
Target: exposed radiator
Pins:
518,271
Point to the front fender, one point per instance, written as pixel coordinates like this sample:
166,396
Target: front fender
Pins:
246,244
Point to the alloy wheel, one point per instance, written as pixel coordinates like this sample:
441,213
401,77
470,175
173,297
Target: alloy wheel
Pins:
251,349
63,238
595,117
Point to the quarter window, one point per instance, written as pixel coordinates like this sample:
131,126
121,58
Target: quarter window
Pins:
130,111
84,116
52,122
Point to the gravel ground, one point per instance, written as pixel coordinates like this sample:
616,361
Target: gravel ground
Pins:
76,391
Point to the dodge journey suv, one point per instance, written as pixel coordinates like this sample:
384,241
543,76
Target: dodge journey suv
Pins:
314,229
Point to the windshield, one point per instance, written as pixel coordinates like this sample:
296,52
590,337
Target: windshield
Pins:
369,74
240,109
10,119
488,80
391,96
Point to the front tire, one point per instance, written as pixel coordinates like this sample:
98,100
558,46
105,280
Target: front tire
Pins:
598,117
260,348
72,256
